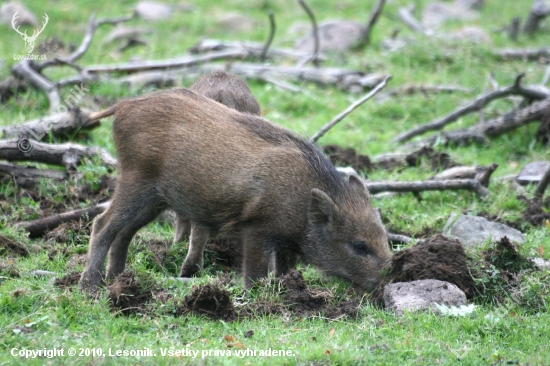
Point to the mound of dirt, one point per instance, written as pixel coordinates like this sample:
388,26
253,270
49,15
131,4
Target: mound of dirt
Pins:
67,281
437,258
298,297
70,231
227,252
127,295
99,192
499,273
304,301
348,157
506,257
10,247
537,211
211,300
438,161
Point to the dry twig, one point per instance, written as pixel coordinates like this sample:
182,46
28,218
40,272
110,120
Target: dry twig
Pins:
429,185
350,109
314,56
476,105
68,155
272,29
40,226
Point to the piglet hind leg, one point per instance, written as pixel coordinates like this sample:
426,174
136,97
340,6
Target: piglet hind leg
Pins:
113,231
255,256
194,262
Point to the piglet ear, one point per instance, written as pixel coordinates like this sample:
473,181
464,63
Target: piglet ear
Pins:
358,186
321,208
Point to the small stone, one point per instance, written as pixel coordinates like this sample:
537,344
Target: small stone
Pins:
541,264
532,172
151,10
473,230
421,295
334,36
437,13
235,22
24,15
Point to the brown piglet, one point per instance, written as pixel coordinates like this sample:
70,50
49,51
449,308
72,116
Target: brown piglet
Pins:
236,175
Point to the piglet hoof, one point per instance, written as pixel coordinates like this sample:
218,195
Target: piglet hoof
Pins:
189,270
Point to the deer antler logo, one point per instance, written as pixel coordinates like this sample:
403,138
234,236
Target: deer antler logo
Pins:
29,40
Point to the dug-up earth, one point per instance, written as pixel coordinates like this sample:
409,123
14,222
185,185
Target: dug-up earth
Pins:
437,258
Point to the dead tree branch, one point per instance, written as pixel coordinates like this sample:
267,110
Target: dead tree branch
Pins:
68,155
372,22
56,124
538,12
93,24
479,133
406,16
39,227
543,183
272,29
25,70
252,49
430,185
476,105
27,177
350,109
514,29
315,29
180,62
398,239
532,54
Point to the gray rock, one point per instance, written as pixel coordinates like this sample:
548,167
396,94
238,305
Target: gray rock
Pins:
122,32
473,230
25,16
532,172
541,264
334,36
437,13
421,295
151,10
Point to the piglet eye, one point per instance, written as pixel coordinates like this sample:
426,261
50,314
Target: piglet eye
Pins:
360,248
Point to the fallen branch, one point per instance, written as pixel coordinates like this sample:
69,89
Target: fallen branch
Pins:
406,16
476,105
538,12
398,239
430,185
532,54
371,23
479,173
344,79
39,227
315,29
251,49
86,42
513,30
32,71
25,70
27,177
179,62
421,89
68,155
63,123
272,29
350,109
543,183
479,133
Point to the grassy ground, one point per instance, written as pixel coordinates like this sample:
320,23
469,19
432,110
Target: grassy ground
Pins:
35,314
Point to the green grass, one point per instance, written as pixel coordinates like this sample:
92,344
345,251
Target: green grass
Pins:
36,315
